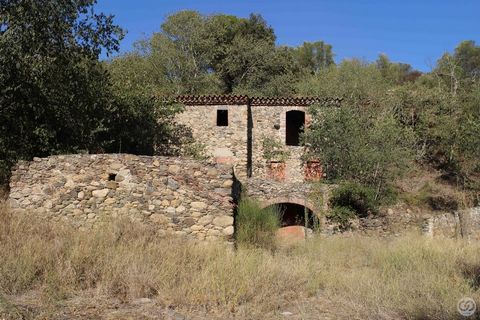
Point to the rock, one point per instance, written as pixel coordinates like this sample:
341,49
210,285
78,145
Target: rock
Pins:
171,210
223,221
100,193
116,166
196,214
172,184
189,222
198,205
174,169
205,220
90,215
213,232
69,184
180,209
81,195
212,172
16,195
151,207
286,313
196,227
110,201
111,185
228,230
119,178
223,191
156,163
159,218
227,184
48,204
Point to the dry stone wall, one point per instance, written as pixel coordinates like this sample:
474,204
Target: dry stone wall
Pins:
178,196
464,224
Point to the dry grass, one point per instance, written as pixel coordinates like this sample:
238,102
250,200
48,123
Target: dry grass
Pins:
355,277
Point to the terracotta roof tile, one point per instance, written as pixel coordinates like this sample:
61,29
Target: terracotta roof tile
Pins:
192,100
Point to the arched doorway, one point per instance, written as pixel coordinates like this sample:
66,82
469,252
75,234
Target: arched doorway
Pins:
292,214
295,122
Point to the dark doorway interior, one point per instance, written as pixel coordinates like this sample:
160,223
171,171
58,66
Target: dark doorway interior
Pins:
294,215
295,122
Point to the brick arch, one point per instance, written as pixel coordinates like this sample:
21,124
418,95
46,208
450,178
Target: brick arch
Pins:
300,201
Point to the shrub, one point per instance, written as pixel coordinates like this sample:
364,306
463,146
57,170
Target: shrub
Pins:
361,145
256,226
356,198
342,216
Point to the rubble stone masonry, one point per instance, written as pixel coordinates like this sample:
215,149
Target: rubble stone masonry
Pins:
178,196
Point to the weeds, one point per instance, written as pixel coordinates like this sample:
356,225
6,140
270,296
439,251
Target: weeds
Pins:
410,277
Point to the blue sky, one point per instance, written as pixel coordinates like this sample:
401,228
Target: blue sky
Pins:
417,32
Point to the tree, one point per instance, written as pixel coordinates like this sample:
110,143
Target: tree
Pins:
364,146
467,53
396,73
195,54
354,80
54,93
314,56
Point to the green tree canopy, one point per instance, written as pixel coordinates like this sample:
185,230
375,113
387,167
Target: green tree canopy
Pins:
54,93
196,54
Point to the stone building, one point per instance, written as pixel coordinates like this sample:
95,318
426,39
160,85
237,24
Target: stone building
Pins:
252,146
260,137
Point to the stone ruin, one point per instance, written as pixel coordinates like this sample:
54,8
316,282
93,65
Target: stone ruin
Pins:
197,198
185,196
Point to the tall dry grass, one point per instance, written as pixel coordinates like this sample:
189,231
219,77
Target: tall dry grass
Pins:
369,278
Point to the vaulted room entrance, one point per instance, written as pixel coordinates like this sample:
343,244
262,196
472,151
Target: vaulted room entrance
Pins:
295,122
292,214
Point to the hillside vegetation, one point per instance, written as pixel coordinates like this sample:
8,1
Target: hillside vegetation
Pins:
58,97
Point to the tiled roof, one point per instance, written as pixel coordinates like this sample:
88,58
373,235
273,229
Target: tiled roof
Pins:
192,100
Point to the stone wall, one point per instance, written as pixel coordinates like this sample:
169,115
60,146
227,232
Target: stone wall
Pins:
223,144
464,223
179,196
270,122
269,192
229,144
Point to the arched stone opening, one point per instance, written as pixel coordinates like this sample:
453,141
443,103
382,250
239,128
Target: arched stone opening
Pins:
294,125
292,214
293,211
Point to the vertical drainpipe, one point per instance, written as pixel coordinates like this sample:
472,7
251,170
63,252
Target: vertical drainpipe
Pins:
249,138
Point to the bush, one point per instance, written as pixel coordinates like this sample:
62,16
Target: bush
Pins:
256,226
356,198
342,216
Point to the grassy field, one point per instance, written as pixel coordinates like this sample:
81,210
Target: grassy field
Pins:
124,271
